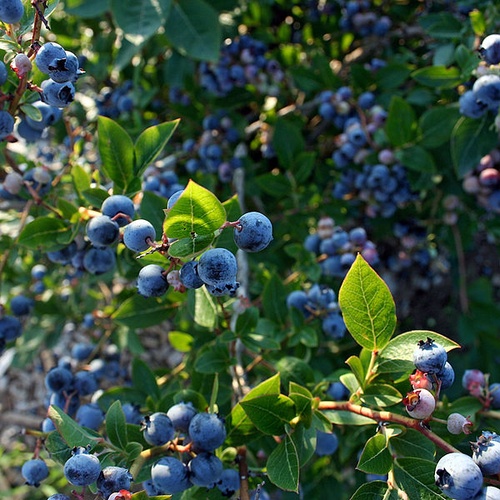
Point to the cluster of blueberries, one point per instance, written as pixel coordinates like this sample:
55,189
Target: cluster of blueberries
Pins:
319,301
34,182
243,61
359,17
161,180
11,325
484,181
217,151
383,187
485,93
337,248
216,269
113,102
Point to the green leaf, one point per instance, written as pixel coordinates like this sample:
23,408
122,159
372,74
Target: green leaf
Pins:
141,312
270,413
57,447
32,112
397,356
375,457
341,417
246,321
152,207
116,425
410,444
293,369
274,184
240,429
417,158
381,395
274,300
303,166
87,9
81,179
470,140
197,212
45,233
133,450
287,142
304,439
415,476
117,153
400,125
467,60
375,490
357,369
180,341
193,29
283,466
187,248
140,19
144,379
438,77
367,306
442,25
436,125
302,398
151,143
71,432
212,360
204,308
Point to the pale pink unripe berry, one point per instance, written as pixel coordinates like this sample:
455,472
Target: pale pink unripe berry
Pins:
21,64
474,381
420,403
325,227
174,280
13,182
457,423
421,380
386,156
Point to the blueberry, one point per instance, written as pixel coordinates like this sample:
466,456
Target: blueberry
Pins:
326,443
38,271
486,453
205,469
229,482
10,328
174,197
85,383
446,375
151,281
50,115
6,124
470,106
159,429
181,415
102,231
207,431
222,289
48,425
57,94
217,266
34,471
99,260
59,496
64,255
487,91
58,379
11,11
118,207
113,478
333,325
429,356
490,49
458,476
132,413
47,53
488,493
254,232
82,468
137,234
188,275
170,476
82,350
3,73
90,415
338,391
298,299
64,69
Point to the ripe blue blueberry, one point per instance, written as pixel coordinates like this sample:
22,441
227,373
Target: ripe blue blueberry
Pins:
151,281
207,431
446,375
50,115
137,235
11,11
487,90
333,325
490,49
65,69
217,266
172,199
429,356
254,232
488,493
326,443
3,73
486,453
48,53
57,94
34,471
132,413
63,255
99,260
205,469
21,305
229,482
90,415
58,379
158,429
188,275
222,289
10,328
118,207
181,415
82,468
6,124
82,350
59,496
458,476
170,476
113,478
102,231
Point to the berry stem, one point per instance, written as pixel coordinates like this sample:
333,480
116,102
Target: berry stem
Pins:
243,470
387,416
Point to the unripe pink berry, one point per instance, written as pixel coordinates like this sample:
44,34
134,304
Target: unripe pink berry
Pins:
457,423
173,279
420,403
21,64
325,227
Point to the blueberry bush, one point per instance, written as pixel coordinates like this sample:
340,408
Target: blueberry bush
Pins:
249,249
